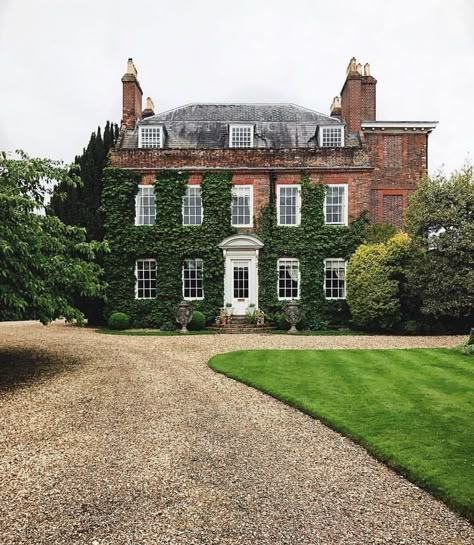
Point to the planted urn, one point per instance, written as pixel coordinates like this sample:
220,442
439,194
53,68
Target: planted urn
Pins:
184,314
293,315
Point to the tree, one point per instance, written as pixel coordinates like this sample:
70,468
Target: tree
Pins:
440,218
375,283
44,263
80,204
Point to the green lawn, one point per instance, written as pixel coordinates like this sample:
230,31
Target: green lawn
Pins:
151,332
413,409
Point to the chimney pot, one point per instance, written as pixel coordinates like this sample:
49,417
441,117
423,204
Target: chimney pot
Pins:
150,108
131,67
366,69
352,66
359,68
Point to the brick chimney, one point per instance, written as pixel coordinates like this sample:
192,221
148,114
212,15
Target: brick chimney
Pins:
358,96
132,97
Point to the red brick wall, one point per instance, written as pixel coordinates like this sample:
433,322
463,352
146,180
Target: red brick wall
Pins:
351,96
389,165
196,159
131,102
368,99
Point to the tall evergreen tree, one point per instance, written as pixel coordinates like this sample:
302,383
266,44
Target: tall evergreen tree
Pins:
80,205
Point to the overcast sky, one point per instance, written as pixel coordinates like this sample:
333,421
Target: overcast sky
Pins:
61,62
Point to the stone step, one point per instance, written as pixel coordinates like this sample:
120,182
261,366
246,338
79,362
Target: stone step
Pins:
239,330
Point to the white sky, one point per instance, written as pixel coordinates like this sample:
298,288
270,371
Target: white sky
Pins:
62,60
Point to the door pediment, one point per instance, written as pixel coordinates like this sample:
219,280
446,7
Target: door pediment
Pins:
241,242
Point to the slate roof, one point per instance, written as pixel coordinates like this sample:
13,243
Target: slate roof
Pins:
205,126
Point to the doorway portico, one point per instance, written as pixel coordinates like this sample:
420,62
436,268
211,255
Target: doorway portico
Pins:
241,271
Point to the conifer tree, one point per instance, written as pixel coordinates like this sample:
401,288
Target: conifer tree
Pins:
80,205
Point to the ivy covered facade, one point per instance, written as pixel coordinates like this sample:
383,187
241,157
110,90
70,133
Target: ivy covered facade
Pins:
246,205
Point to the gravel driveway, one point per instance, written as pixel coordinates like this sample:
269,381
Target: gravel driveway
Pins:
134,441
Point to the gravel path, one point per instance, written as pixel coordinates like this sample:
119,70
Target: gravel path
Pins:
134,441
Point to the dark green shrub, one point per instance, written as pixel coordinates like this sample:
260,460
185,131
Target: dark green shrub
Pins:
379,232
168,326
198,321
317,325
118,320
408,327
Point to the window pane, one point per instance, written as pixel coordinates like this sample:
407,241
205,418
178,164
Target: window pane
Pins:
335,278
331,137
241,205
241,137
335,204
192,206
288,278
146,279
288,205
193,279
145,208
150,137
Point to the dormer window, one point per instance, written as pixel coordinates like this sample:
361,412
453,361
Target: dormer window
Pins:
241,136
331,137
150,137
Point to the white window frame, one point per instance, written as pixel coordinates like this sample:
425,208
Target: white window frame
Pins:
137,204
298,204
182,278
188,187
340,259
140,135
241,126
345,204
235,189
288,259
323,128
149,260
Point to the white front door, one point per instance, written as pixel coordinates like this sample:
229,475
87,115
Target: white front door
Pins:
241,283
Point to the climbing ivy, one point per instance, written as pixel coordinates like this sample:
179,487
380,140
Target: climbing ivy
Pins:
169,242
311,242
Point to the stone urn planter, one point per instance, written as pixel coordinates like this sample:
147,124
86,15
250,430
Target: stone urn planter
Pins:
184,314
293,314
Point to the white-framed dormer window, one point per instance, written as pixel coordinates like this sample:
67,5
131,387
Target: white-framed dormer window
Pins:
193,279
150,137
335,278
241,136
336,204
145,206
145,276
288,279
331,137
192,206
289,204
242,206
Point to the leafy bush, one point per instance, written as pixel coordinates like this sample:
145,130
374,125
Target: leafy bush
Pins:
379,232
118,321
198,321
251,315
409,327
375,281
168,326
440,221
317,325
465,348
470,341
